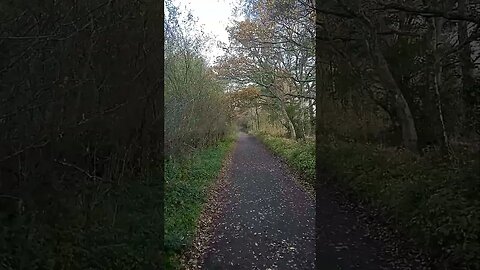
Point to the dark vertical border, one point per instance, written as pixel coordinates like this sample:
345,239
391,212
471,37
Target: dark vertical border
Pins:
161,125
154,20
317,134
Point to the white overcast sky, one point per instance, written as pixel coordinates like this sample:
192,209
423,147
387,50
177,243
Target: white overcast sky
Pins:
213,17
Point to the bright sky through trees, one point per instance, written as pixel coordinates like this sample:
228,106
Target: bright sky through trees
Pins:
213,17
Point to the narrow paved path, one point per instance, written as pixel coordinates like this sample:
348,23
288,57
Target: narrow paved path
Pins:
268,220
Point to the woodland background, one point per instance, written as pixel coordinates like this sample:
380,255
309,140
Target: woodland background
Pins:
383,94
81,134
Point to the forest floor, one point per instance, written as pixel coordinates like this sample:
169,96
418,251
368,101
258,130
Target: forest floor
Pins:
263,219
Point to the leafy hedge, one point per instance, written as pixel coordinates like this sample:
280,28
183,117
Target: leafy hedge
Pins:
299,154
186,185
434,201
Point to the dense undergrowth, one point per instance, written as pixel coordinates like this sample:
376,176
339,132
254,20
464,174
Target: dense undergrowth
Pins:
432,200
116,230
187,182
80,131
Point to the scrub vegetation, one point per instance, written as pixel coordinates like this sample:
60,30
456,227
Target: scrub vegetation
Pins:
80,135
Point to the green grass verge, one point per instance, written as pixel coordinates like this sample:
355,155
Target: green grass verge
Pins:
433,201
187,182
299,154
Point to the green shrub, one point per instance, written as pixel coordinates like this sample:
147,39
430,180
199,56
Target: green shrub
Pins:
187,182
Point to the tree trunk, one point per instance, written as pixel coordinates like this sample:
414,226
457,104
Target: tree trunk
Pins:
466,67
281,98
407,123
438,83
291,127
311,118
258,119
300,124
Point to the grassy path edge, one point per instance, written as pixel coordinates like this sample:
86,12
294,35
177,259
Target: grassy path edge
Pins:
193,257
189,185
299,156
429,201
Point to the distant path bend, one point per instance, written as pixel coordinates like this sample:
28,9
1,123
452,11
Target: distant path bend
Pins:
268,221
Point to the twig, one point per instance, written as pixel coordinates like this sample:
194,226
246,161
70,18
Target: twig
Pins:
80,170
25,149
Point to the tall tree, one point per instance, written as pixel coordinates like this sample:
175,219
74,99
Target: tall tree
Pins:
274,49
385,43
